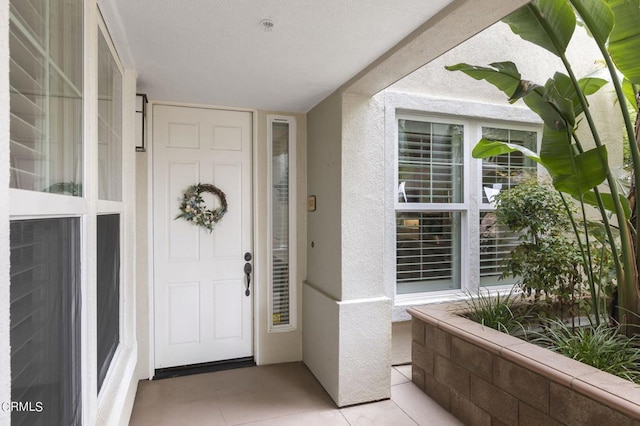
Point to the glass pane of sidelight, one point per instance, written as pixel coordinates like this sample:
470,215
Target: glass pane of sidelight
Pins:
280,223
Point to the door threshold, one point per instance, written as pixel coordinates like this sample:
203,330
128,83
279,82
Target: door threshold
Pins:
205,367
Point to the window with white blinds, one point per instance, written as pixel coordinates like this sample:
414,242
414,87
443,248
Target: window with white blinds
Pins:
427,251
430,177
500,173
430,162
444,199
282,223
46,95
507,170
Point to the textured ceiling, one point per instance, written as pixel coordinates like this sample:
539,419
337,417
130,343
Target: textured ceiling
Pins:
217,52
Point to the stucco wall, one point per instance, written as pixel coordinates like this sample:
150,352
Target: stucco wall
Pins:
496,44
324,126
363,198
5,357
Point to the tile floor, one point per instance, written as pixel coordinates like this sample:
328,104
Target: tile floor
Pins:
283,395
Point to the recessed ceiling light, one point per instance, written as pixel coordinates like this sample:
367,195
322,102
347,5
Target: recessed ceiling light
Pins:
267,24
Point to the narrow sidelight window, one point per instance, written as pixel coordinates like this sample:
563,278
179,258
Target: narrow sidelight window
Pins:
282,223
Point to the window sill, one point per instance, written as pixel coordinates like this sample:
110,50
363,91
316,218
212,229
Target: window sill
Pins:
404,301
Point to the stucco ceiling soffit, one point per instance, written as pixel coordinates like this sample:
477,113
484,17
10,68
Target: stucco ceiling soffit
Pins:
453,25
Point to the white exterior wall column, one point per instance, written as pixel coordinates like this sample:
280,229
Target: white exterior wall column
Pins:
347,315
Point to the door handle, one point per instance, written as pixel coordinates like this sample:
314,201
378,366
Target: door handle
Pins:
247,271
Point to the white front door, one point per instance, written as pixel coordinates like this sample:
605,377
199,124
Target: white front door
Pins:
201,308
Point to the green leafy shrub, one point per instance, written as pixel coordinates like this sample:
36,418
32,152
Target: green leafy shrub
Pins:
547,263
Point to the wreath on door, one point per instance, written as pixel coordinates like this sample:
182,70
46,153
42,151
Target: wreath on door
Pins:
194,210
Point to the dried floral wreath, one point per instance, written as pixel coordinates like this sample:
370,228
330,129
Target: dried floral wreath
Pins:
194,210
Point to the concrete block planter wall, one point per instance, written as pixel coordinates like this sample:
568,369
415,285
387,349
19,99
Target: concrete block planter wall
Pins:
485,377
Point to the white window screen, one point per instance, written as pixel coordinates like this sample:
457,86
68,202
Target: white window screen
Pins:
45,321
500,173
108,292
430,171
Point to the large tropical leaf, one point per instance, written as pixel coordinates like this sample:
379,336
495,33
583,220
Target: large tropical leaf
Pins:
629,94
554,94
487,148
589,171
556,151
597,17
566,90
572,172
607,201
503,75
624,41
546,23
590,85
549,104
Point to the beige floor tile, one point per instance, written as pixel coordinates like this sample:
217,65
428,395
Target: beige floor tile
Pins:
278,402
397,378
383,413
422,409
283,394
405,370
329,417
191,413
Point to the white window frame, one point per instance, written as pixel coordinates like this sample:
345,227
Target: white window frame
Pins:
487,207
106,207
476,115
27,204
462,207
293,318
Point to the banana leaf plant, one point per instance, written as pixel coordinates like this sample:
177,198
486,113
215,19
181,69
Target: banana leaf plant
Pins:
561,103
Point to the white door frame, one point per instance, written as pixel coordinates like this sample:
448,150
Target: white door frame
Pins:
150,250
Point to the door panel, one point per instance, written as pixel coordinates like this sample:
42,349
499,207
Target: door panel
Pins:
201,311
